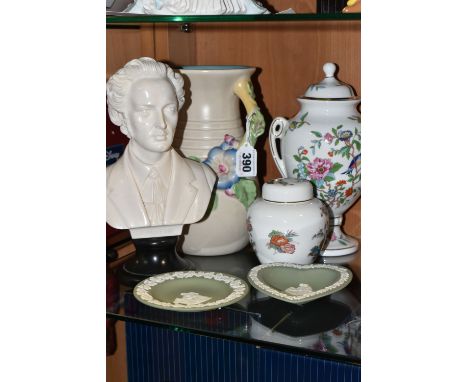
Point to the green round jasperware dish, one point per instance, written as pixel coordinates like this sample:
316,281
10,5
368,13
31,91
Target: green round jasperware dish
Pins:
190,291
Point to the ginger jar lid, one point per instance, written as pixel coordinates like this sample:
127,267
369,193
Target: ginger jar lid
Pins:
287,190
330,87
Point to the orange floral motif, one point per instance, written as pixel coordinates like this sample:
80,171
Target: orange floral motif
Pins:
341,182
279,240
349,191
282,242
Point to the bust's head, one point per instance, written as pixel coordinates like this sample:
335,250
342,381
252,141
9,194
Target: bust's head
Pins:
144,98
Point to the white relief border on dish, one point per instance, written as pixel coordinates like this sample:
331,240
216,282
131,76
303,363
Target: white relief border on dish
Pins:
344,276
142,290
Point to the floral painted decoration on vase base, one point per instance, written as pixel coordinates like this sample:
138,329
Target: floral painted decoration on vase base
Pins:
340,244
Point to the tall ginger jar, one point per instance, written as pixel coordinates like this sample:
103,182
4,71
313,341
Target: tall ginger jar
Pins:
210,130
322,144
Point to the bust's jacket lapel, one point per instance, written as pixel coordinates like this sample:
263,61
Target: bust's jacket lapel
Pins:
122,191
183,189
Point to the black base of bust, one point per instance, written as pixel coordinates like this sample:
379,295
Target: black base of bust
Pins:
153,255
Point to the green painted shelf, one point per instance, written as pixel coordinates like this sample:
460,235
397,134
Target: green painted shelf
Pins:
138,19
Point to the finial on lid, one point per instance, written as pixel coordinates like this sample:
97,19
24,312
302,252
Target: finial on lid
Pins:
329,68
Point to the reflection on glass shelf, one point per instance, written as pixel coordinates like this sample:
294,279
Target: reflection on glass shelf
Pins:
133,18
329,326
325,325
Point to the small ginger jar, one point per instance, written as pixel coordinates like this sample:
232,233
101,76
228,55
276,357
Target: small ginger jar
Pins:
287,224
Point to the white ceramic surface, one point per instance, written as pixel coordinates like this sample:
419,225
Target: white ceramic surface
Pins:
330,86
291,231
210,130
151,185
322,144
212,109
196,7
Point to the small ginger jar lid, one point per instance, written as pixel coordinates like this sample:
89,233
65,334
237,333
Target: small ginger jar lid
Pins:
287,190
330,87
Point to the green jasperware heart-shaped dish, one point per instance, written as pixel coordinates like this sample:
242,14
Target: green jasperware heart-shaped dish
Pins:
299,284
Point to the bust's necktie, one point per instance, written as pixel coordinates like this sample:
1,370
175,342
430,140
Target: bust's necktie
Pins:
154,197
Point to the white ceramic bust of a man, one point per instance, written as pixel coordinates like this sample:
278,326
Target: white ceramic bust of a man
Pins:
151,189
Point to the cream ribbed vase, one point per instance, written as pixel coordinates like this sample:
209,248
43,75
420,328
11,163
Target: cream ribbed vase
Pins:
210,130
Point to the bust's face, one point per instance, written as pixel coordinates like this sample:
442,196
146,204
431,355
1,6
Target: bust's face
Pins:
152,113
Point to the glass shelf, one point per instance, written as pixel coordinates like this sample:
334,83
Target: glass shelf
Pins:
137,19
328,327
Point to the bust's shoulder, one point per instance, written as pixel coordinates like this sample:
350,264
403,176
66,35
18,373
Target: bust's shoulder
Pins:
114,171
109,171
209,173
201,169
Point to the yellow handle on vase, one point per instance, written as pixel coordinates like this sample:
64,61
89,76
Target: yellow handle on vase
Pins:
245,91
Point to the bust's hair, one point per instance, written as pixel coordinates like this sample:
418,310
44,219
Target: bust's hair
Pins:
119,84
